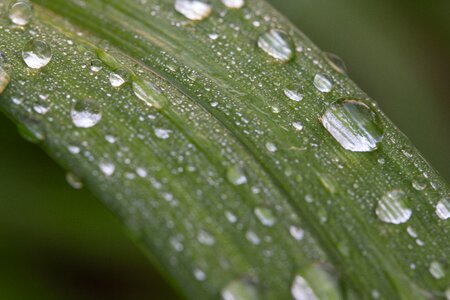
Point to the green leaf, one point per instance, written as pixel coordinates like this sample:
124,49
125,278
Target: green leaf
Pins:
231,187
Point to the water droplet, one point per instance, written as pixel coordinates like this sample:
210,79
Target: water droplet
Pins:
96,65
205,238
240,290
74,181
393,208
86,113
293,93
4,79
443,209
230,217
36,54
296,233
265,216
419,184
116,79
297,125
277,44
436,270
163,134
199,275
107,168
236,176
301,290
411,232
233,3
336,62
253,238
147,92
20,13
322,83
73,149
141,172
271,147
195,10
354,125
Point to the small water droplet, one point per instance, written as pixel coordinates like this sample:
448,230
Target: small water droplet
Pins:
74,181
277,44
293,93
147,92
240,290
296,233
443,209
20,13
265,216
86,113
297,125
73,149
205,238
354,125
419,184
195,10
236,176
116,79
411,232
141,172
36,54
199,275
271,147
233,3
107,168
393,208
336,62
231,217
163,134
436,270
253,238
322,83
301,290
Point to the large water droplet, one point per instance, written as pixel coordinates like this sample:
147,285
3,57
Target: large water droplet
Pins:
293,93
322,83
147,92
265,216
20,13
240,290
393,208
443,209
86,113
236,176
277,44
436,270
354,125
301,290
336,62
116,79
193,9
36,54
233,3
4,79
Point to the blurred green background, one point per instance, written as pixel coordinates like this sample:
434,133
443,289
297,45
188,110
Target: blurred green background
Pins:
59,243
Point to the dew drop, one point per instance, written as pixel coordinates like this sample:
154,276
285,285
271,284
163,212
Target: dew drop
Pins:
354,125
265,216
419,184
240,290
277,44
293,93
296,233
322,83
96,65
85,113
107,168
199,275
36,54
253,238
436,270
231,217
301,290
74,181
195,10
163,134
116,79
4,79
443,209
236,176
233,3
297,125
336,62
205,238
271,147
147,92
393,208
20,13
